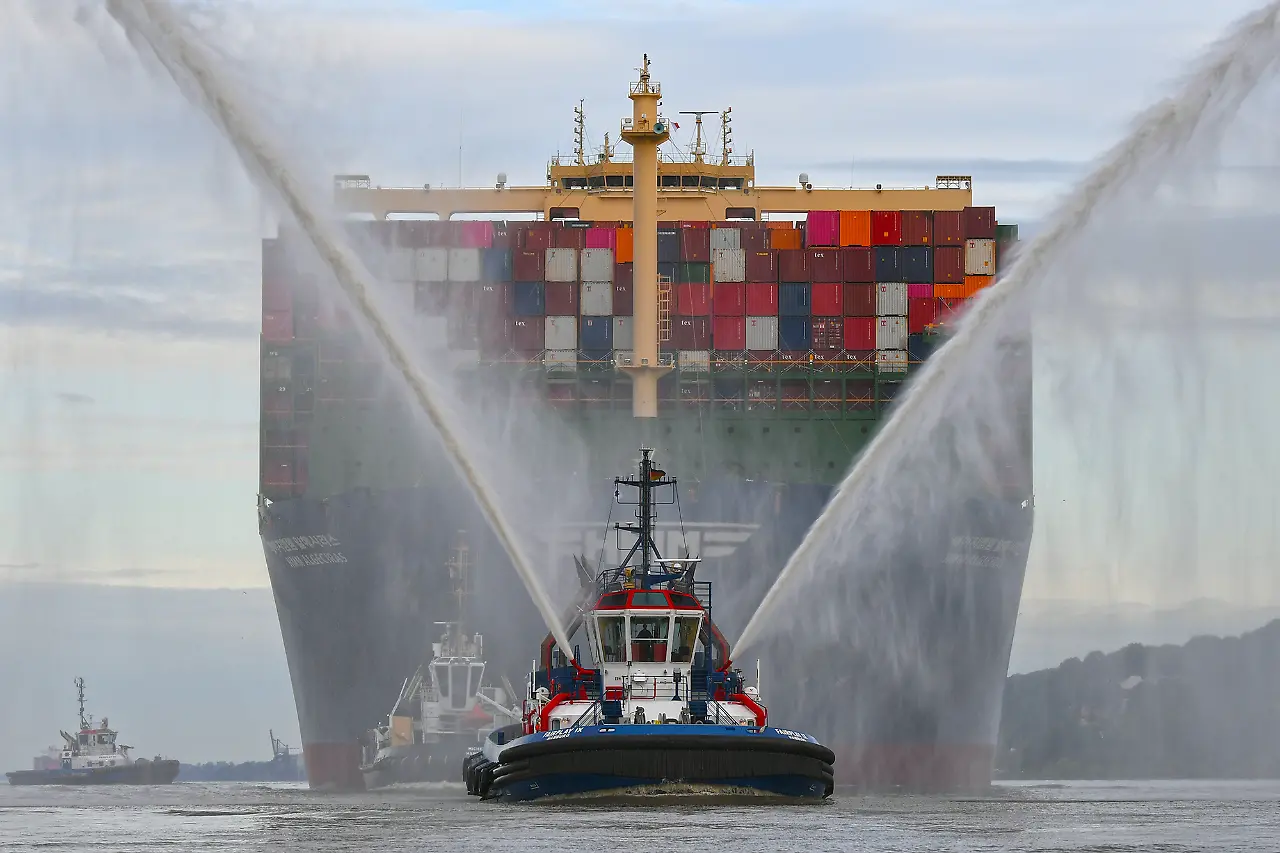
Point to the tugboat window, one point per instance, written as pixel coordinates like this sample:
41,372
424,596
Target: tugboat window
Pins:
686,638
442,680
613,639
649,638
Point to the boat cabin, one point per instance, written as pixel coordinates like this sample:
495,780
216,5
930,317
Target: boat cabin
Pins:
93,747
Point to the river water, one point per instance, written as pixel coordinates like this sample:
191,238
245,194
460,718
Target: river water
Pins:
1075,816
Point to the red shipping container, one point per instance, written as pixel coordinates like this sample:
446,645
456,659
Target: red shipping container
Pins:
561,298
919,291
827,300
623,300
475,234
695,224
762,299
729,299
824,265
859,300
277,397
601,238
948,228
569,238
886,228
828,334
979,223
693,300
822,228
277,326
729,333
762,266
493,300
527,264
503,237
755,238
921,312
528,334
793,266
493,334
276,293
695,245
859,333
691,333
859,264
917,227
949,310
948,264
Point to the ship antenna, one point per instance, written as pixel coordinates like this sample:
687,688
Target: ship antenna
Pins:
84,721
608,152
579,132
726,135
699,150
646,506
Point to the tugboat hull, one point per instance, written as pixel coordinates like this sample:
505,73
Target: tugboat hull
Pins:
597,760
407,765
141,772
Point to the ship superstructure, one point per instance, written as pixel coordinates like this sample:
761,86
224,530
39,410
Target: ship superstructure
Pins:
755,335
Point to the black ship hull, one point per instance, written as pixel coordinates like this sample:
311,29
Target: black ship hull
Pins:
440,761
141,772
354,578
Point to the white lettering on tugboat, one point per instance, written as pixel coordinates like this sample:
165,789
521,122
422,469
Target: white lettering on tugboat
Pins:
298,550
800,736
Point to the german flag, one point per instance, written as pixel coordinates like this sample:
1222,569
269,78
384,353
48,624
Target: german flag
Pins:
656,474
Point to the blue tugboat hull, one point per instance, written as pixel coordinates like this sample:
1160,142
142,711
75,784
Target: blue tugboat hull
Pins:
651,759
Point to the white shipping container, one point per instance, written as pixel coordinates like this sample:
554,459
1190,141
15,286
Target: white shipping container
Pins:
979,257
597,265
623,333
726,238
762,333
562,333
891,361
561,359
431,264
891,333
891,299
597,298
400,265
464,265
562,265
728,264
695,360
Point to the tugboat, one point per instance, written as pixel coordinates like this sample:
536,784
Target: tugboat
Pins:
662,711
95,758
443,708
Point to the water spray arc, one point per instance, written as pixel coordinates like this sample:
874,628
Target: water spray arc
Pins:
154,27
1224,79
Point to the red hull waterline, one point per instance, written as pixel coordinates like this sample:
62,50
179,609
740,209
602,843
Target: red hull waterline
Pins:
333,766
918,768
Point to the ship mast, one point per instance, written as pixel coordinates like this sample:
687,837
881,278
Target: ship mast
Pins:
699,148
84,721
460,573
645,131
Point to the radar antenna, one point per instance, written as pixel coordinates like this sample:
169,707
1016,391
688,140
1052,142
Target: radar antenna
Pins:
726,135
579,133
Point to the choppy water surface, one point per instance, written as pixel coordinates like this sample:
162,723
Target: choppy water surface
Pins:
1089,816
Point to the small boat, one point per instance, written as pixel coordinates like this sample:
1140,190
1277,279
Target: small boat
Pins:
443,709
661,711
95,757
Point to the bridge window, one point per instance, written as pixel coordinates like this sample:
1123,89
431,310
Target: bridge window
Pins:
649,638
617,180
442,679
648,599
613,639
686,638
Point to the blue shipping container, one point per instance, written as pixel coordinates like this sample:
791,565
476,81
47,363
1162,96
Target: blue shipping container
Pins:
794,301
794,333
667,269
528,299
919,348
917,265
495,264
668,247
888,263
595,333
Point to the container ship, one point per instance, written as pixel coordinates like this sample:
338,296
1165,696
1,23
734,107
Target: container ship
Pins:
756,336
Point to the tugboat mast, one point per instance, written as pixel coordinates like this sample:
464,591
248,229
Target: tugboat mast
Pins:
650,477
84,721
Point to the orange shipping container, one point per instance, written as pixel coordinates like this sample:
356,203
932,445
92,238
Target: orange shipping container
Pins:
973,285
951,291
625,253
785,238
855,228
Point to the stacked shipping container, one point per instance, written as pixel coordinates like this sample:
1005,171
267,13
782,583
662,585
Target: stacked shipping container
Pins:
842,292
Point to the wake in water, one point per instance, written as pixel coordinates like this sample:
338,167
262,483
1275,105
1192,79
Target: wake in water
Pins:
159,31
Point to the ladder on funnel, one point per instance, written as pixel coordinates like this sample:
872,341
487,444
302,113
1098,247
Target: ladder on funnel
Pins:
664,308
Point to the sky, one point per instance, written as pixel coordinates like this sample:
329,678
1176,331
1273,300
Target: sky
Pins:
129,235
